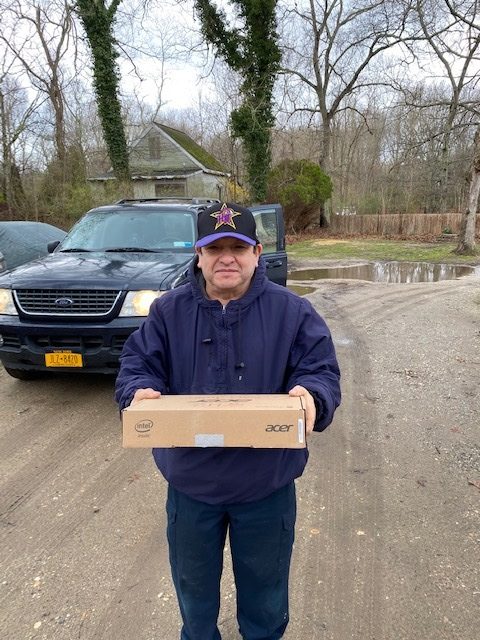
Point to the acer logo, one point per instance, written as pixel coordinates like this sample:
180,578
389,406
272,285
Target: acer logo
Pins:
278,428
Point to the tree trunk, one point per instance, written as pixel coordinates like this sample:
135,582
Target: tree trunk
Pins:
324,162
466,243
6,157
56,99
53,85
444,171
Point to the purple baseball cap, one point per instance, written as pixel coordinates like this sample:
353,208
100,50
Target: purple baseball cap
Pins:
227,220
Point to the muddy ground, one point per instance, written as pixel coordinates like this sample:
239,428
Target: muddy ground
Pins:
388,531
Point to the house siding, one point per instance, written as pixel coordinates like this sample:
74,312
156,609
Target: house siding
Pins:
200,186
171,157
206,186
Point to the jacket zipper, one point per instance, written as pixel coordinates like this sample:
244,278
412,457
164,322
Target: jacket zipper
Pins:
224,352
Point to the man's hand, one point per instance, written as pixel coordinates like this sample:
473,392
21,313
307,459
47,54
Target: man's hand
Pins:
145,394
310,410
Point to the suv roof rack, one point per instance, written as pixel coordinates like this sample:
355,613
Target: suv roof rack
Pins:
172,199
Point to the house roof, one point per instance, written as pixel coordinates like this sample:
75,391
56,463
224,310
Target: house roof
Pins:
190,146
205,162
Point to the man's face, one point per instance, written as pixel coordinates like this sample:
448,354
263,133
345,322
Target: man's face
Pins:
228,265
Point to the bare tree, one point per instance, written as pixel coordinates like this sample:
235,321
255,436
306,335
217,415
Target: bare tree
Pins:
466,243
416,143
467,15
455,47
330,48
329,51
15,113
151,40
40,38
451,31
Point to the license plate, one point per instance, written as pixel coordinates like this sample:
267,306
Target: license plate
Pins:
63,359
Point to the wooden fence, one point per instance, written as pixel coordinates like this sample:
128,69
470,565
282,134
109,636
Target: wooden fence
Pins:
399,224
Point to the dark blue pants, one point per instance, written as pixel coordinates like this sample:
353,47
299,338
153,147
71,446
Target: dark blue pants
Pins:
261,538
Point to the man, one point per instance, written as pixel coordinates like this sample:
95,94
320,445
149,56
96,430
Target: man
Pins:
231,330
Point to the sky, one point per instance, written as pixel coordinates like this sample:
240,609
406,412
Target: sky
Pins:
181,86
171,37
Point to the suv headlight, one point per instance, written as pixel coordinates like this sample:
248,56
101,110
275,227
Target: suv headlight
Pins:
7,307
137,303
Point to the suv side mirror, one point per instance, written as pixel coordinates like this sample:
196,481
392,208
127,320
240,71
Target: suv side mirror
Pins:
51,246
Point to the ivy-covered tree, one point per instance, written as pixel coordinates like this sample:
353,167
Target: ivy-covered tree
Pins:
250,49
98,18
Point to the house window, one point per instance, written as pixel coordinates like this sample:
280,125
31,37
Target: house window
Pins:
171,188
154,148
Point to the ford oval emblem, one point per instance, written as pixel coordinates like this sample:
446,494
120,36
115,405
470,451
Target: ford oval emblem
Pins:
64,302
144,426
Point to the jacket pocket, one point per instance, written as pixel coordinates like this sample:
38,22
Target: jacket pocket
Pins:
286,543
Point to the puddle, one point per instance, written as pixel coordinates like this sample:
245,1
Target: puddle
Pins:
299,289
390,272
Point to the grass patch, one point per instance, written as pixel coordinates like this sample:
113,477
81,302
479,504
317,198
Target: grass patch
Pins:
373,249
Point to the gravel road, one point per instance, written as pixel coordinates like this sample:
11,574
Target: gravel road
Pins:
387,544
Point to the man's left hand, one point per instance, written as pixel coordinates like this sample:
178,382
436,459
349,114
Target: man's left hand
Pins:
310,410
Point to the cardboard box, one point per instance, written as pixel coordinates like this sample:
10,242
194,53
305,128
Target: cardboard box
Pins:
264,421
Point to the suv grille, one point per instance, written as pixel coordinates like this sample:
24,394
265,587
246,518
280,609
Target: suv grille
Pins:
66,302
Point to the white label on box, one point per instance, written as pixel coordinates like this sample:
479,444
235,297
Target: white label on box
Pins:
301,430
209,440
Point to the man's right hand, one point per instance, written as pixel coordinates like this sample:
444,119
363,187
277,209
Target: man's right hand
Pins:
144,394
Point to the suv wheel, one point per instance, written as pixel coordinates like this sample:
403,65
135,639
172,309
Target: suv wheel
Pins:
22,374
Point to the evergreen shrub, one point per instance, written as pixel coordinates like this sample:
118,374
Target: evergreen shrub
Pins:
301,187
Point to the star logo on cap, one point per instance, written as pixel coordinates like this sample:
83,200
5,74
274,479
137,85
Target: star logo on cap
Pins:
225,216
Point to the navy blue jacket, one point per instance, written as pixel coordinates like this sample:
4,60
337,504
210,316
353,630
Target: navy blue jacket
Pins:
266,342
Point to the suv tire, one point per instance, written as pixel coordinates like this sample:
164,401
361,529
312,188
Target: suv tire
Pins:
23,374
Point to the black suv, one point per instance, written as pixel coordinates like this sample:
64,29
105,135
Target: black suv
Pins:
73,309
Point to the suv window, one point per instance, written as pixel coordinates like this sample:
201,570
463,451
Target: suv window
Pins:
267,232
130,229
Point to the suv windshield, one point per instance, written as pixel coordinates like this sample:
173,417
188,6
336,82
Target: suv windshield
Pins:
129,230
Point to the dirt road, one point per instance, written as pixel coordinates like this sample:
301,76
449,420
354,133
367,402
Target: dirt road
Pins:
388,531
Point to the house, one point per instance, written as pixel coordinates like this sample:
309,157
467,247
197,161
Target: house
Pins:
167,162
